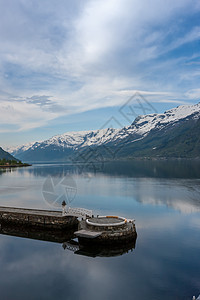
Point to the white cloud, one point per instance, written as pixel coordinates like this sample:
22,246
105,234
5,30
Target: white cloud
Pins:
88,55
193,94
23,116
189,37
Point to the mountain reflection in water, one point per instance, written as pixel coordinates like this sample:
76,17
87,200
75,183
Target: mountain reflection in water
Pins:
136,168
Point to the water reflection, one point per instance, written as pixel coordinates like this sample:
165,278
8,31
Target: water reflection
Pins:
54,236
100,250
165,263
113,188
103,251
137,168
182,195
155,168
66,239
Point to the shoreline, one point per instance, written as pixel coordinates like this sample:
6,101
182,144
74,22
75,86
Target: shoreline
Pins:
119,160
15,166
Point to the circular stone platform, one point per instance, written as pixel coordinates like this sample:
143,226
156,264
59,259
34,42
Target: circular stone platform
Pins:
106,221
106,230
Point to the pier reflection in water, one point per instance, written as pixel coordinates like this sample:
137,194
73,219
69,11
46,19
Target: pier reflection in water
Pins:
67,239
163,197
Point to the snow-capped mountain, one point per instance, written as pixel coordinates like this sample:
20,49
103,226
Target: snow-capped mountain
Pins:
70,140
60,147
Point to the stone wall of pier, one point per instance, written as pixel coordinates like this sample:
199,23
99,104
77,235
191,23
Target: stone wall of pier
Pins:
48,222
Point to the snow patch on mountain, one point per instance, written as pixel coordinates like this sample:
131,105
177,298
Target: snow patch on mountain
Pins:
145,123
20,149
140,128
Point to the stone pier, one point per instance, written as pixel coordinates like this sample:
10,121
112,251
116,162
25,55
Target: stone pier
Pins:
46,219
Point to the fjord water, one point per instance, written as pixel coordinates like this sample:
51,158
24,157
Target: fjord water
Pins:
163,198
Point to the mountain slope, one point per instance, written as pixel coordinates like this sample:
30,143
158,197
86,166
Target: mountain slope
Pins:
174,133
182,140
5,155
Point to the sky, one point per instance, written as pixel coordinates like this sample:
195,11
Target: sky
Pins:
76,65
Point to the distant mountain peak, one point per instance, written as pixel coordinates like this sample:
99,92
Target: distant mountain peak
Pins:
65,144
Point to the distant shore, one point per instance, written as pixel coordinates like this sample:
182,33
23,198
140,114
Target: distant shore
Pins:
15,166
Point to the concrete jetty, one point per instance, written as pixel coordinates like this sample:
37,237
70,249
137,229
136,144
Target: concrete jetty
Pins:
97,236
101,230
48,219
66,239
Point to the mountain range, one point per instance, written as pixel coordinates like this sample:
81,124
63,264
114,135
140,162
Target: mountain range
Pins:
175,133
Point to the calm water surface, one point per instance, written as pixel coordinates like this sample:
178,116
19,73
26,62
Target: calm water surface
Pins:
163,198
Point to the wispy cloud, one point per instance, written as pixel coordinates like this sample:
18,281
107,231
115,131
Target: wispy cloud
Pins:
193,94
93,54
20,115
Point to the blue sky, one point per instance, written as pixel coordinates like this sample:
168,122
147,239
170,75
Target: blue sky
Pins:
71,65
